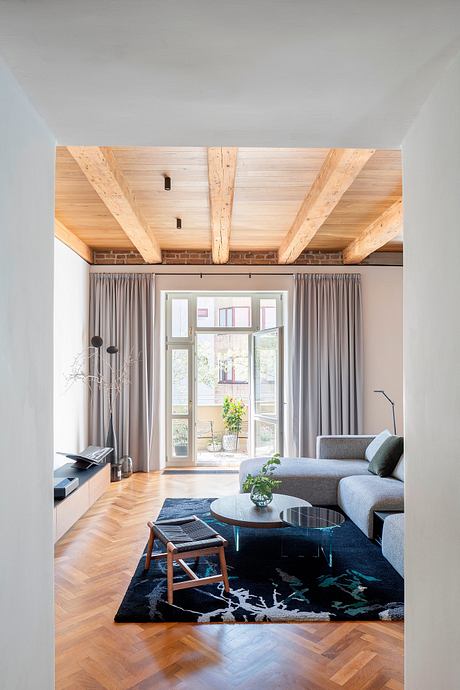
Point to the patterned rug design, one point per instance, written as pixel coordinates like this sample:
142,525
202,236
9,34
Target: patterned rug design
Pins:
275,576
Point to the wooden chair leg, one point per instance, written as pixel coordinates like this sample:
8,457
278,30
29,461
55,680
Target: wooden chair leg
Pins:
148,558
223,568
170,575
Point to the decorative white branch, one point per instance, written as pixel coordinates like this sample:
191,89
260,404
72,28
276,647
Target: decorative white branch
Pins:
107,378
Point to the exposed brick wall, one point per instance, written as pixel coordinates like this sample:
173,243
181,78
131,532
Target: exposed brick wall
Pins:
319,257
203,258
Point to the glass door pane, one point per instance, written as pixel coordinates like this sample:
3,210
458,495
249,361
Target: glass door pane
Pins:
267,392
180,403
266,372
265,438
180,438
179,317
222,374
179,381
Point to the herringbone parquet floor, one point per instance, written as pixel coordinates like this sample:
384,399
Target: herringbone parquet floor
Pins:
94,563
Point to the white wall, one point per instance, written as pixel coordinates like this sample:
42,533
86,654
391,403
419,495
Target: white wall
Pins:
71,315
382,316
26,398
383,346
431,155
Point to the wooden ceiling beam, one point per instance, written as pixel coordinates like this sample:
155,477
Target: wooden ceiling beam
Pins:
387,226
71,240
338,171
99,166
221,175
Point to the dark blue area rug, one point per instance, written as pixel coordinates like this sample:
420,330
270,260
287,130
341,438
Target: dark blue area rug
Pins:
275,576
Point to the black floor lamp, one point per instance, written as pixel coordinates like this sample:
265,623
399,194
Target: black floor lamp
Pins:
392,408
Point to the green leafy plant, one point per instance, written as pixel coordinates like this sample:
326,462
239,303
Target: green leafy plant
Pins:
233,412
264,482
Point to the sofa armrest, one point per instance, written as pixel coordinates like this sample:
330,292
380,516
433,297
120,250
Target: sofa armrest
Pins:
342,447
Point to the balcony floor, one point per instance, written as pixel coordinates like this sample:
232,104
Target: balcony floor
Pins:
205,458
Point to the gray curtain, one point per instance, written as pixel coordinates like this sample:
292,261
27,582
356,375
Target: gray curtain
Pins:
122,313
327,358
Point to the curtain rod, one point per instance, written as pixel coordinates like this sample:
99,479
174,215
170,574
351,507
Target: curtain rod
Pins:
221,273
247,274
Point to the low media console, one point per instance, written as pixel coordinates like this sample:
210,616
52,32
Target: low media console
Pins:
91,485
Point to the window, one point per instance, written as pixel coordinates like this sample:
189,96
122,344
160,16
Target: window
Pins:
234,317
223,311
267,313
233,370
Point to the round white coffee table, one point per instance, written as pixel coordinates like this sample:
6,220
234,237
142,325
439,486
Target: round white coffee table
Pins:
240,511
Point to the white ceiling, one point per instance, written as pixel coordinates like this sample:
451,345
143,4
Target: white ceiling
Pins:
229,72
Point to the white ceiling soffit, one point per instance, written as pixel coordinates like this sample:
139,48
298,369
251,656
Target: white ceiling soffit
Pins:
236,73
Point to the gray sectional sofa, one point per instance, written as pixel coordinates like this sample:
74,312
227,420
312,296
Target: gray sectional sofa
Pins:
393,541
339,475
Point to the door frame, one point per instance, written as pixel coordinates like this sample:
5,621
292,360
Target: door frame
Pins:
188,342
189,417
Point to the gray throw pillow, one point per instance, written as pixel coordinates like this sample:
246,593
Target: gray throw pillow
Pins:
387,456
374,445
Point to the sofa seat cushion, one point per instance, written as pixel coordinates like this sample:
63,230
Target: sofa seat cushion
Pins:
393,541
313,480
360,496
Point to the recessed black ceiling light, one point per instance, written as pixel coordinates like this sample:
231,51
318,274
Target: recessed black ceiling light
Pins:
167,183
179,223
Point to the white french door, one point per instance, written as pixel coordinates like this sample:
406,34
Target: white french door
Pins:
209,337
267,392
180,402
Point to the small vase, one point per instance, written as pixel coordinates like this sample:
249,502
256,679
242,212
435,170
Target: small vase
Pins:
115,472
111,442
126,466
261,499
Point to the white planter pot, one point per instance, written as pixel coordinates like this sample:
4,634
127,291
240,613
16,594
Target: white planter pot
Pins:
229,442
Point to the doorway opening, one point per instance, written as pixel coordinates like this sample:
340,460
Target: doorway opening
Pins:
224,363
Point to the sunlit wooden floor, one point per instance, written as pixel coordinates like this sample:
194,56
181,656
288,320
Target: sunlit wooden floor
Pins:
94,563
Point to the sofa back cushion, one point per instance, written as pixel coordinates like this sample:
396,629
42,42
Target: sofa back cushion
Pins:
398,472
387,457
374,445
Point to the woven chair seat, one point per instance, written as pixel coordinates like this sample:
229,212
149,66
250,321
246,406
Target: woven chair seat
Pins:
187,534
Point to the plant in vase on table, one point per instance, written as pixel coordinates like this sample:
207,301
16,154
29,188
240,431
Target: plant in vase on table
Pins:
233,412
262,485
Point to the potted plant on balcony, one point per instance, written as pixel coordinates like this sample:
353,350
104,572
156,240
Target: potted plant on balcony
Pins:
233,412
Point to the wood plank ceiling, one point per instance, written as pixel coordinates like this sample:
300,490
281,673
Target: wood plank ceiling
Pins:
247,199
